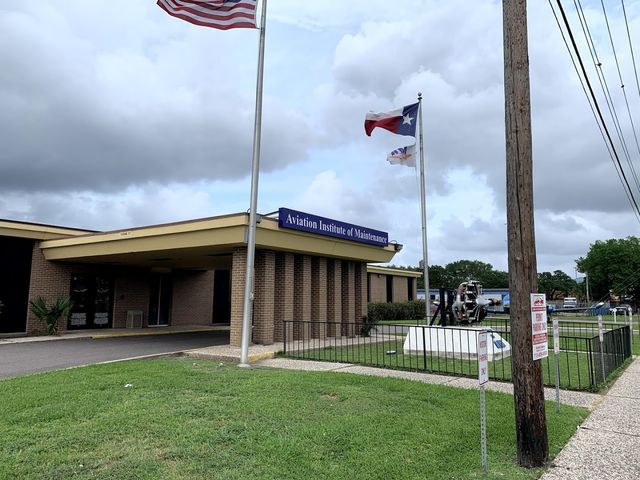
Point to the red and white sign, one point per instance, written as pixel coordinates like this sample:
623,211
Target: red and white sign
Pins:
483,364
539,326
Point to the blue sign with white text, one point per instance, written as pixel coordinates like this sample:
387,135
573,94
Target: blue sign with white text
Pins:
307,222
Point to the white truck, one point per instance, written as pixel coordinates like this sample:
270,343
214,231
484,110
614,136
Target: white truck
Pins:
570,302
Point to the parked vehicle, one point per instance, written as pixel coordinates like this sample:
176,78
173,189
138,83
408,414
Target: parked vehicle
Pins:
621,309
570,302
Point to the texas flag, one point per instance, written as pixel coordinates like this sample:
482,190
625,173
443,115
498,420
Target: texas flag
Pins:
401,121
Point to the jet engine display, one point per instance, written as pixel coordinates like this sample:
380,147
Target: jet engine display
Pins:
470,306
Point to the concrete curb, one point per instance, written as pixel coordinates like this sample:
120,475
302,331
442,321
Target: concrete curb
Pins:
154,332
224,357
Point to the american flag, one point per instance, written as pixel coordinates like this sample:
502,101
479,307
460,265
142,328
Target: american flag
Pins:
221,14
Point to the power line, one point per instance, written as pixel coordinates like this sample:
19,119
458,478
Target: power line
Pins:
624,92
633,57
606,92
584,88
593,111
597,113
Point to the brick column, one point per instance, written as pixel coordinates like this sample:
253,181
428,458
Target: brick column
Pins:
49,280
263,303
348,296
319,296
283,311
360,290
238,272
302,292
334,296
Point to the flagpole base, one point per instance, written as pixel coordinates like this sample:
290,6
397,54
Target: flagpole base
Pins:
244,365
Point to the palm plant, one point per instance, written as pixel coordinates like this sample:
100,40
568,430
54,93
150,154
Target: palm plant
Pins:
50,315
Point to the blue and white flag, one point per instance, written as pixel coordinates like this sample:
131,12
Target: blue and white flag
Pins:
403,156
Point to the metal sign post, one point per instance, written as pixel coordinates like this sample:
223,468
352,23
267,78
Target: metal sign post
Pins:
556,353
601,335
483,378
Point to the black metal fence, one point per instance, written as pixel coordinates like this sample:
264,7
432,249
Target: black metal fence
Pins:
584,362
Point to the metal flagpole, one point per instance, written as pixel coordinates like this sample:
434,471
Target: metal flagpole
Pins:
255,170
423,210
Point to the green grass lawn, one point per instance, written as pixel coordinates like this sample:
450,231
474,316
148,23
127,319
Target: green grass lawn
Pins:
574,373
186,419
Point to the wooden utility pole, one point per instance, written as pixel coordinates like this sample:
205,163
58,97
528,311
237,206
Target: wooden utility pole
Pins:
531,423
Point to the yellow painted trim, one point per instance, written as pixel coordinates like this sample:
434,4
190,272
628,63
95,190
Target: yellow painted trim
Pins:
398,272
156,331
198,236
153,231
35,232
256,357
164,243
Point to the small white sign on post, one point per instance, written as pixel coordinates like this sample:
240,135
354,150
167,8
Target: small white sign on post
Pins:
556,336
539,326
601,335
556,352
483,364
600,329
483,377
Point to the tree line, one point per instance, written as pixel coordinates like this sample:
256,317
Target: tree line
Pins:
612,266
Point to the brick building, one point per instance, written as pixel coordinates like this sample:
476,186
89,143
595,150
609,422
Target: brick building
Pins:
187,273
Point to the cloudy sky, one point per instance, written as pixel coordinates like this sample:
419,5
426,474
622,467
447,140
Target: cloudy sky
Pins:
114,114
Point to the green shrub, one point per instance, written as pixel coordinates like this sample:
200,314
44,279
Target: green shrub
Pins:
50,315
368,324
413,310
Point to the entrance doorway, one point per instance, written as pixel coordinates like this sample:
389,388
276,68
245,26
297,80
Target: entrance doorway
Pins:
92,297
160,299
222,297
15,258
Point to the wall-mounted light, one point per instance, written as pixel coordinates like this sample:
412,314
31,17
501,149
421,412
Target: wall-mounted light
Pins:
397,246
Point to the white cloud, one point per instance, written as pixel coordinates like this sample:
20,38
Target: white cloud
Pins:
106,116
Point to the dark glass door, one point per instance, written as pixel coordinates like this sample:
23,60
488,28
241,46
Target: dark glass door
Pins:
160,299
15,265
92,298
222,296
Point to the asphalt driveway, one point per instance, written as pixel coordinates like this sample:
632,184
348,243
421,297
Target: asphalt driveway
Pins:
23,358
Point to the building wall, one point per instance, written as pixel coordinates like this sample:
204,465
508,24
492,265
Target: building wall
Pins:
192,298
264,297
377,288
400,290
360,286
319,296
334,296
49,280
348,296
131,292
238,271
283,294
287,287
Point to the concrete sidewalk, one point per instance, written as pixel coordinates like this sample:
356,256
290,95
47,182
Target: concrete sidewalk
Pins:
607,444
113,333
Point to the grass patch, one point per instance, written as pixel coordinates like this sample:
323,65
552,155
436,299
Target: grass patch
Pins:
186,419
574,371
